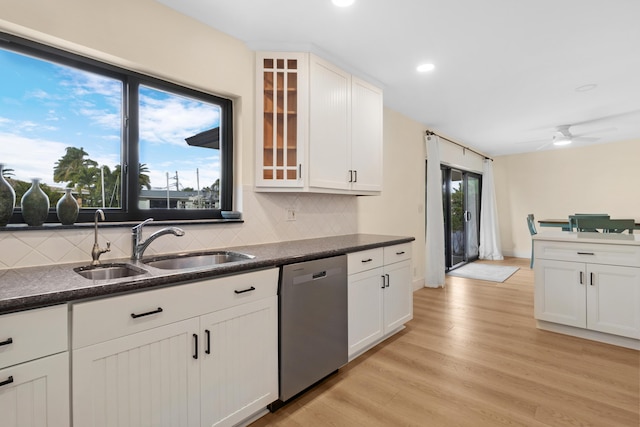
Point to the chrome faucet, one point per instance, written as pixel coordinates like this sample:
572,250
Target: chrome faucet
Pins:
138,246
97,251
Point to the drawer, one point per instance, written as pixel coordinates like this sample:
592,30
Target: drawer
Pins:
32,334
364,260
624,255
105,319
397,253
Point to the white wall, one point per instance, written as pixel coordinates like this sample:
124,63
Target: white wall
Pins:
557,183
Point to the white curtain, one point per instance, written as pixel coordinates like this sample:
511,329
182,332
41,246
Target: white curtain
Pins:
490,247
434,239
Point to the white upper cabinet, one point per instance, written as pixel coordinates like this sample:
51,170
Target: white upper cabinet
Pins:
331,142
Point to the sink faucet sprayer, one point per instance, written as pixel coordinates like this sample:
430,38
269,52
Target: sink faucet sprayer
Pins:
138,246
96,251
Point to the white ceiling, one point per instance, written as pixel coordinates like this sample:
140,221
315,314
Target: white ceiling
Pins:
506,70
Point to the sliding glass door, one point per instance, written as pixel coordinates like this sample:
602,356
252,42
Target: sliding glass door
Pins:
461,207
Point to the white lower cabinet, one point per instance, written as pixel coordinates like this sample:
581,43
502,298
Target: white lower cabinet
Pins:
215,368
34,368
36,393
380,296
239,373
599,297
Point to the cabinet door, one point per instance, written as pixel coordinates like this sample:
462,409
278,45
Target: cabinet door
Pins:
150,378
613,300
329,126
281,99
36,393
398,295
366,136
560,294
239,362
365,301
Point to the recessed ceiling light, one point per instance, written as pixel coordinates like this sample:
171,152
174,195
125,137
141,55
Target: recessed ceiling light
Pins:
343,3
425,68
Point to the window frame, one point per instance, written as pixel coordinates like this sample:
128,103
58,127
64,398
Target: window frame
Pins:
129,153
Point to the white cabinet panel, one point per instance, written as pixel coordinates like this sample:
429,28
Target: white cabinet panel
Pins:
398,299
30,334
239,362
559,293
146,379
329,126
366,136
613,300
36,393
366,309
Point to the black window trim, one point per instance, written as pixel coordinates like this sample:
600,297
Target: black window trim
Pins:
129,149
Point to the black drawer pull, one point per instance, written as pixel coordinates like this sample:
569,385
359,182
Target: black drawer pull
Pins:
245,290
135,316
383,281
400,253
586,253
367,260
7,381
208,334
6,342
195,346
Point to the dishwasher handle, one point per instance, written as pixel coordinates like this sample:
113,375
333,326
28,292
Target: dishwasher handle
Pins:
319,275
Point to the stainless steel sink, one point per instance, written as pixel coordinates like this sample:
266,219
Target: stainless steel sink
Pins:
108,271
195,260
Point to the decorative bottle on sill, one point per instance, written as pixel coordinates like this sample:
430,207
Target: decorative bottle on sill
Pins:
35,204
67,208
7,199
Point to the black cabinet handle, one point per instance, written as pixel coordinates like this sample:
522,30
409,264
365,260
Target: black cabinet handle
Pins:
400,253
383,284
582,278
586,253
350,176
245,290
195,346
591,278
208,334
7,381
388,280
6,342
355,174
367,260
158,310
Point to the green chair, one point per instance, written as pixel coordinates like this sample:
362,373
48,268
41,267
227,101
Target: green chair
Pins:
532,230
620,226
573,220
605,225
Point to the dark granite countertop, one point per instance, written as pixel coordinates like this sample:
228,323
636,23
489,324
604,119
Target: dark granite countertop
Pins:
24,288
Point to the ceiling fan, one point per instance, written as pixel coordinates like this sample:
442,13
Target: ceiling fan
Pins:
563,136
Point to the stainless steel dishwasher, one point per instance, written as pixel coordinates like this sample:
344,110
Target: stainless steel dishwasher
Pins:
312,324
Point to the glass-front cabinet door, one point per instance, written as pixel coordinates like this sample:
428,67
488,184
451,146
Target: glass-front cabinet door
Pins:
281,86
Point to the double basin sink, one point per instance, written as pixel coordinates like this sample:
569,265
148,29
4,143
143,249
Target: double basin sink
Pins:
165,262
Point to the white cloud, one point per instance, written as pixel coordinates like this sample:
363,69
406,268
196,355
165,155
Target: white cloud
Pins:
31,158
171,120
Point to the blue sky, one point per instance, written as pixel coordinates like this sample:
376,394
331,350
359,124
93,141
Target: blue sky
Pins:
45,107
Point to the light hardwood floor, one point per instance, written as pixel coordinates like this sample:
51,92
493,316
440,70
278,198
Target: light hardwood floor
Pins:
472,356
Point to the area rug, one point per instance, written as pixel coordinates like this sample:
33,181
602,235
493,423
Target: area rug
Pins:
492,273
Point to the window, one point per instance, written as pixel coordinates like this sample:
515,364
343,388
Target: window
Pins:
132,145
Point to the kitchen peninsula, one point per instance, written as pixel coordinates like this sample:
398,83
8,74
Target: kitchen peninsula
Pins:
588,285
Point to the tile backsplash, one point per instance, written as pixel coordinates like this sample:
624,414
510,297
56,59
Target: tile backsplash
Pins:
265,221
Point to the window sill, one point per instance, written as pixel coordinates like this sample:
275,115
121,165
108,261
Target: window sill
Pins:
128,224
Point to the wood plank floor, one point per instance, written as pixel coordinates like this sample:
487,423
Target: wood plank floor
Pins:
472,356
